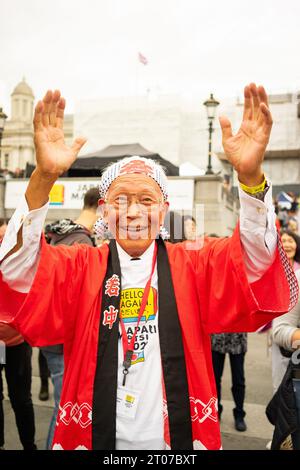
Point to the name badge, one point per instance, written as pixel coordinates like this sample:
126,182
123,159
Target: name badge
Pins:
127,402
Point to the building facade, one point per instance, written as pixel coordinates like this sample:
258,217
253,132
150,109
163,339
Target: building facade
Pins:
282,159
166,124
177,130
17,147
17,142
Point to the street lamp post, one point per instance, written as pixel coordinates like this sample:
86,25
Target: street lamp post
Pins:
3,118
211,106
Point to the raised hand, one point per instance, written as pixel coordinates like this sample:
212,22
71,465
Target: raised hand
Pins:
53,156
245,150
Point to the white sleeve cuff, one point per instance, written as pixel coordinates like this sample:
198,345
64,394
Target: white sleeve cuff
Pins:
256,215
32,221
255,209
258,233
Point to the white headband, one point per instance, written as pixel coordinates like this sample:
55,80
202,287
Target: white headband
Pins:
134,164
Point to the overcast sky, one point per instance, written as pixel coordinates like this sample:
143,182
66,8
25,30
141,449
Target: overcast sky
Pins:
89,48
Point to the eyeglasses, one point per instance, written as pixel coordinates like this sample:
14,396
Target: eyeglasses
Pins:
145,201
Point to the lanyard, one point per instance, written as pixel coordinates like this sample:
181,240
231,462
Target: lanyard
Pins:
128,347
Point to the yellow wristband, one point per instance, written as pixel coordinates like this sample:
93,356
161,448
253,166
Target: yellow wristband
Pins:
254,189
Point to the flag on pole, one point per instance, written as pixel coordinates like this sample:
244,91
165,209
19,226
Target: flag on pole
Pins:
142,59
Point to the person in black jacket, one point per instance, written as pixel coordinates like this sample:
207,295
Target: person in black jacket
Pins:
283,410
68,232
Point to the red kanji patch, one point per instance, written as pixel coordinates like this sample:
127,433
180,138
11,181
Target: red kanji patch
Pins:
110,316
112,286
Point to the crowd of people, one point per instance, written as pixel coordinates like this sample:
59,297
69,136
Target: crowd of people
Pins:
287,211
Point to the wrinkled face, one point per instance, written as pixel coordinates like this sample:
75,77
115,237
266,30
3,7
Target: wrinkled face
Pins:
2,230
190,229
134,210
289,245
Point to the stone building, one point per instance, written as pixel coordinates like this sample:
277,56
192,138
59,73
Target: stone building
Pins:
17,141
282,159
177,130
167,124
17,148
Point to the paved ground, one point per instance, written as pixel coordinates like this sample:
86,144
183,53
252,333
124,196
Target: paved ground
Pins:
259,391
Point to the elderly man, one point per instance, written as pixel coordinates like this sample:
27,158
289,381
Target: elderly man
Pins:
135,316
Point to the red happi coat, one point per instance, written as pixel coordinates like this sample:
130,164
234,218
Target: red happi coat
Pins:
212,295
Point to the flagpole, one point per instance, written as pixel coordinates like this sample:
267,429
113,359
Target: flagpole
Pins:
136,77
141,60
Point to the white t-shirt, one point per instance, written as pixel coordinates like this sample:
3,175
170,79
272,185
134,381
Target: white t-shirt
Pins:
145,430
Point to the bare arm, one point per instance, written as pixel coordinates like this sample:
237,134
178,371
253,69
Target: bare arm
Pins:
53,156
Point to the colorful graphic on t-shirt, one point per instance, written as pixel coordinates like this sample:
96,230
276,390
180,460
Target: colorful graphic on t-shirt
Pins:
130,305
129,401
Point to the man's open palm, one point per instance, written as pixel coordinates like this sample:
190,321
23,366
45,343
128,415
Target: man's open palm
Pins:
52,154
245,150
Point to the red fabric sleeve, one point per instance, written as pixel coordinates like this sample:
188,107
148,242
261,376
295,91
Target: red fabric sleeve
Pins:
41,315
228,302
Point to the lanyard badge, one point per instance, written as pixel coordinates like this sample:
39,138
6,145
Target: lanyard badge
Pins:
128,347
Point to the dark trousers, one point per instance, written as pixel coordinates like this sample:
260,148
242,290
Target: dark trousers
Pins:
237,379
18,377
43,368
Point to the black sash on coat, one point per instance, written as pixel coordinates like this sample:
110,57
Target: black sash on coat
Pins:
172,355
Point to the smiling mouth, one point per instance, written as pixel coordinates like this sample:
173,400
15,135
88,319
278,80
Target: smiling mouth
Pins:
133,229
